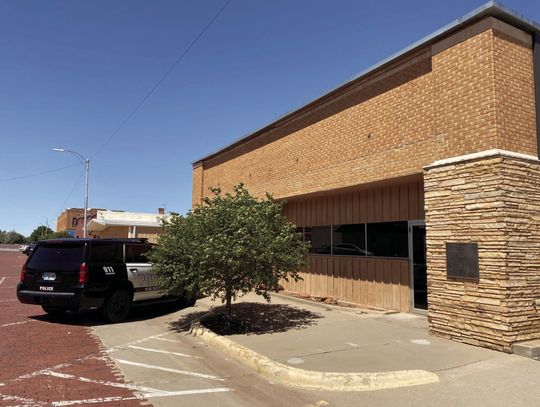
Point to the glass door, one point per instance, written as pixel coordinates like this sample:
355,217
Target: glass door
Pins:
417,261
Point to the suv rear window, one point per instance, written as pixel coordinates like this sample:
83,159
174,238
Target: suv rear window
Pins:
106,252
57,256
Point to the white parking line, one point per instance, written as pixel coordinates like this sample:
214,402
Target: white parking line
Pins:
166,369
26,401
99,400
2,280
125,345
119,385
164,351
188,392
16,323
145,391
166,340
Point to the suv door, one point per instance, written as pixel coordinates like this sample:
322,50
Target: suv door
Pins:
106,262
140,272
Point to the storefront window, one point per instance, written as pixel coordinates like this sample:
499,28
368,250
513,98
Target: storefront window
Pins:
320,238
389,239
349,240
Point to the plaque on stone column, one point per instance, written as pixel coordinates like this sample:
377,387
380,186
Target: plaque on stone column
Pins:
462,261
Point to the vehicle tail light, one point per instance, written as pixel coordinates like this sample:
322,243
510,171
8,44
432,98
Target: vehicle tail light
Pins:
83,273
23,272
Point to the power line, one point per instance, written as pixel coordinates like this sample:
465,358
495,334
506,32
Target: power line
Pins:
158,83
73,189
38,173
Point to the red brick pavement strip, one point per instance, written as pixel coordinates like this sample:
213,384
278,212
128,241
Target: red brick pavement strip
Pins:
31,343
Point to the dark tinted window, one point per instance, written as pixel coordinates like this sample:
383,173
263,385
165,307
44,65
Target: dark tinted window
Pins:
349,240
59,256
319,237
136,253
389,239
106,253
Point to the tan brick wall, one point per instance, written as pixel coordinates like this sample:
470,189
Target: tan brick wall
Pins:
197,185
494,202
63,222
470,93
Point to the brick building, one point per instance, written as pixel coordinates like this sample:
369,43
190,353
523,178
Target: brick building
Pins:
438,140
72,219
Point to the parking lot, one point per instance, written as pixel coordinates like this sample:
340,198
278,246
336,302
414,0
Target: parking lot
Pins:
47,363
80,360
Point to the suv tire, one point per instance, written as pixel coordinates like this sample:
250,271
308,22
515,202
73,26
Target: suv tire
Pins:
117,306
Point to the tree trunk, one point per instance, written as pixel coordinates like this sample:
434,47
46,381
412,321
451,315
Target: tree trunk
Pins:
228,299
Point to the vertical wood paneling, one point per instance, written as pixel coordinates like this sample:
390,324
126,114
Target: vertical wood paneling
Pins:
375,282
370,205
336,278
368,281
394,284
394,203
386,204
356,281
321,210
371,298
342,208
405,287
404,201
335,217
348,208
349,283
413,202
378,206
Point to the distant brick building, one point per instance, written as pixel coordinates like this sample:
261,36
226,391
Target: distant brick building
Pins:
71,220
440,138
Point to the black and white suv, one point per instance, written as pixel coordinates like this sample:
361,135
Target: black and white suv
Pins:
79,274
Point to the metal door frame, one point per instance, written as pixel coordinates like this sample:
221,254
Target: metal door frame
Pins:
412,223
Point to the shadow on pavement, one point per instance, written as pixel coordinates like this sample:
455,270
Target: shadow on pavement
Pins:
256,319
94,317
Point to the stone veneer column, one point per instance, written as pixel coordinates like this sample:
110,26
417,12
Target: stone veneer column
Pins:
493,199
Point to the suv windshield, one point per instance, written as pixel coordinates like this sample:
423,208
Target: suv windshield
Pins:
57,256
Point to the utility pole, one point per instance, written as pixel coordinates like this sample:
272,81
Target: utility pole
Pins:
86,164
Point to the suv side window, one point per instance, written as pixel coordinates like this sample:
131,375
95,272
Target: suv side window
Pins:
106,253
136,253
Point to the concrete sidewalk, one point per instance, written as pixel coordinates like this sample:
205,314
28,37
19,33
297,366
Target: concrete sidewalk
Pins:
335,339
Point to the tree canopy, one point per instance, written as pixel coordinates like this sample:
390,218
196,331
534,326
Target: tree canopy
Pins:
44,232
229,245
11,237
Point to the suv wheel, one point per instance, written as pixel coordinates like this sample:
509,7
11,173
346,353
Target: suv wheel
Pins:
117,307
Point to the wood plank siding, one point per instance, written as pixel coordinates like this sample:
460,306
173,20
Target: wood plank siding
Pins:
372,281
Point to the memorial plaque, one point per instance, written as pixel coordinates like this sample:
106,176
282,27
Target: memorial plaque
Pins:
462,261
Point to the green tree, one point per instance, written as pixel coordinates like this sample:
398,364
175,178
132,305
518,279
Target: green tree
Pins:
229,245
40,233
13,237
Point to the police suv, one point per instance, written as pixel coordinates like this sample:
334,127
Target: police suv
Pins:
79,274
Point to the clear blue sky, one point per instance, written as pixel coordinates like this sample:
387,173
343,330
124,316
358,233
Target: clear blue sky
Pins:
70,72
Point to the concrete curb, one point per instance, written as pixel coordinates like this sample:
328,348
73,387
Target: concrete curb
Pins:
308,379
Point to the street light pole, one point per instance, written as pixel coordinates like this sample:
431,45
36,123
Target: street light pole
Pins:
86,164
